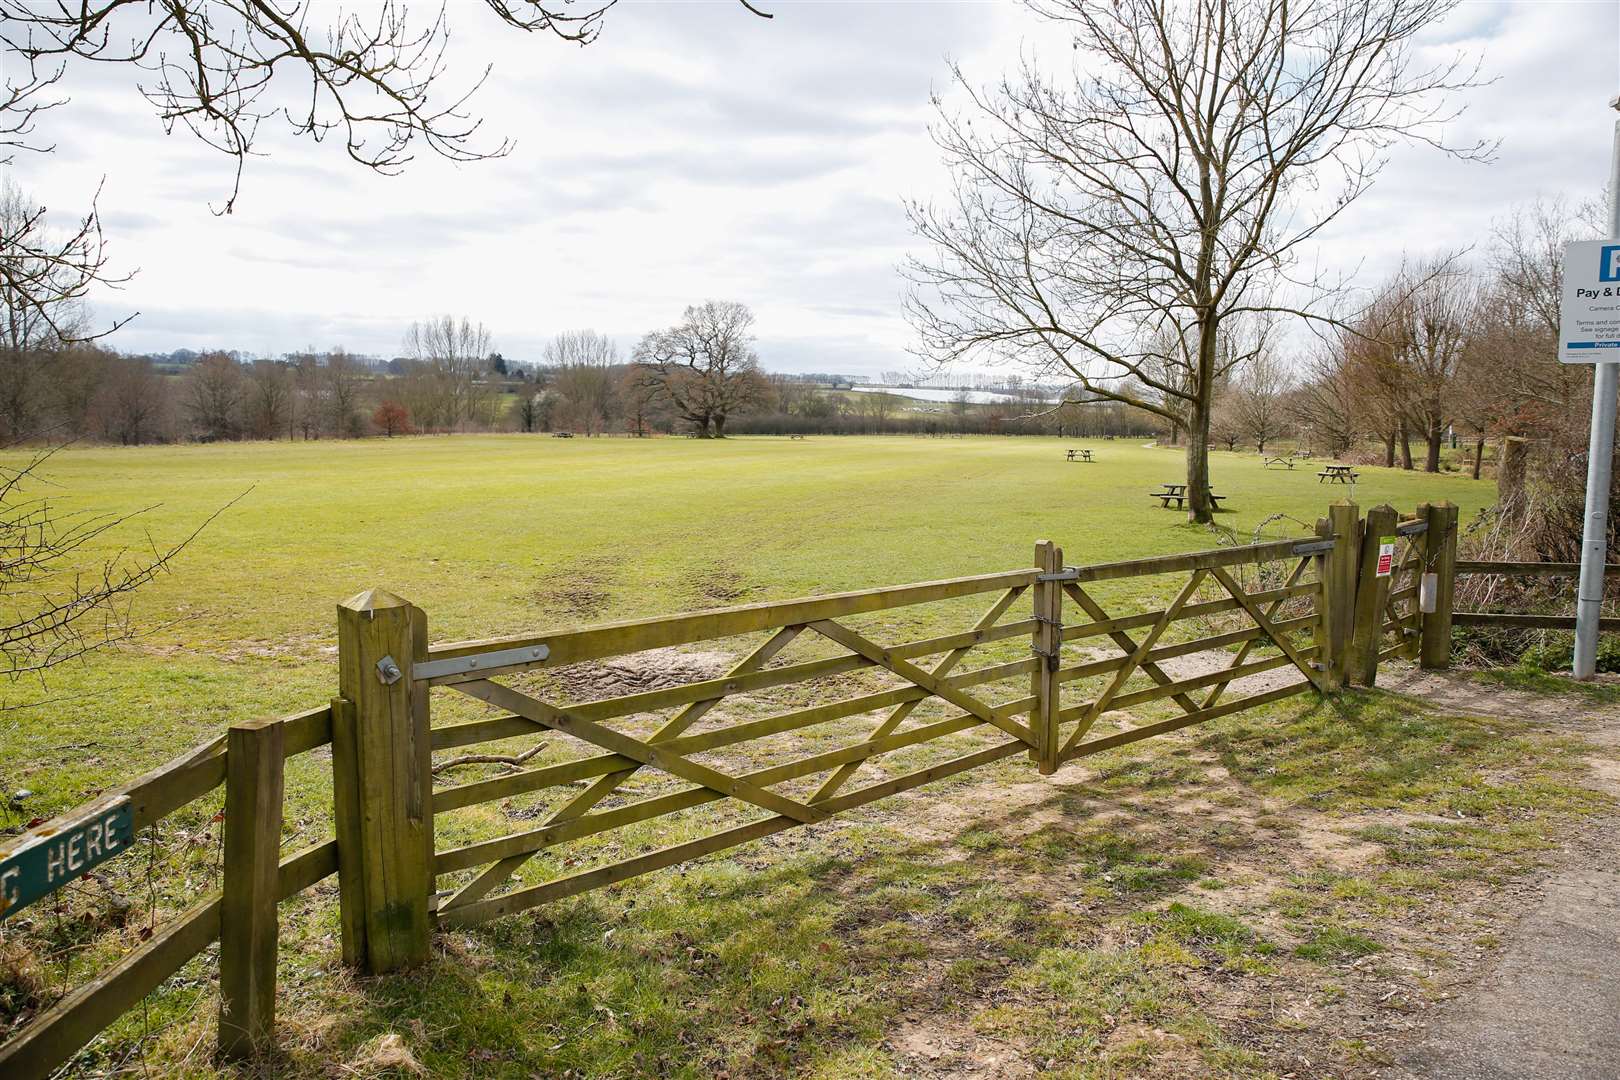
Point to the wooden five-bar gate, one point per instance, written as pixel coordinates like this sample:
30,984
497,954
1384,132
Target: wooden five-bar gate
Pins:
828,703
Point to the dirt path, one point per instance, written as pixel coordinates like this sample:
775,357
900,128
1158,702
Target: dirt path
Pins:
1548,1006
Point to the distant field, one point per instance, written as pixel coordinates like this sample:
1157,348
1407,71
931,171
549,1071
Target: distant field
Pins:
493,534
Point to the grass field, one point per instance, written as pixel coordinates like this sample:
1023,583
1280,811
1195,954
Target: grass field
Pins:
726,967
501,534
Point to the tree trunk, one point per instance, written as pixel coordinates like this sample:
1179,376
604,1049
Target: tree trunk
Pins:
1479,454
1406,447
1511,498
719,425
1199,508
1431,460
1389,449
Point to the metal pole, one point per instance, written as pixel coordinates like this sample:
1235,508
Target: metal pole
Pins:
1599,456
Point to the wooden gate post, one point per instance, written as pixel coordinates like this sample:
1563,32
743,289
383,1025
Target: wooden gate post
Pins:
1371,592
1047,646
381,761
1335,601
248,931
1439,559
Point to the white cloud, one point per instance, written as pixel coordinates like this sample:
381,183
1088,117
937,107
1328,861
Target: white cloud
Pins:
696,151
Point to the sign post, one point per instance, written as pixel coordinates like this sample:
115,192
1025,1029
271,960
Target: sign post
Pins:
1589,332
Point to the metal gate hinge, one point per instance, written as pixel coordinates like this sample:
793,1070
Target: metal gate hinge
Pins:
1068,573
466,665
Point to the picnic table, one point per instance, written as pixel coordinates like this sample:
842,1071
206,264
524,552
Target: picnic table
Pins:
1177,493
1286,461
1084,455
1336,474
795,436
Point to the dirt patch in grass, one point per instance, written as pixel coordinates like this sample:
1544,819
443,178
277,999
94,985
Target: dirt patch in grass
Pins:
655,669
578,596
722,587
937,1045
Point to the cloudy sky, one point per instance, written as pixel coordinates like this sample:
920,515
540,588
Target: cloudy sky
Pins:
695,151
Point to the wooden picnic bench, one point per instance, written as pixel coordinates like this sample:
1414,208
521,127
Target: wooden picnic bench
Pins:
1177,493
795,436
1285,461
1084,455
1337,474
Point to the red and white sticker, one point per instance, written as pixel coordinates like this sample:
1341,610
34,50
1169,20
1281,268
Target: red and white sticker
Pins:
1386,555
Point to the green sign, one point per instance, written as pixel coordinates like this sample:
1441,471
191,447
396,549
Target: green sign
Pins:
49,857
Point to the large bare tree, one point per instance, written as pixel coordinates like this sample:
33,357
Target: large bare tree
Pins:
1162,189
705,365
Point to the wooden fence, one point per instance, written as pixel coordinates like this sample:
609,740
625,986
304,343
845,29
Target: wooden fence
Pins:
1519,620
836,701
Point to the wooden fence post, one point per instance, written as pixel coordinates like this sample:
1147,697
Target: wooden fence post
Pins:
1043,716
380,769
254,760
1371,592
1440,559
1337,572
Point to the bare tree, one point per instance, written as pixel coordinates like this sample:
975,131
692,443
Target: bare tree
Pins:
1328,403
132,401
452,357
215,394
641,401
1526,258
582,375
45,275
309,396
1225,419
41,308
1260,397
269,398
1164,190
77,372
705,365
1413,348
342,379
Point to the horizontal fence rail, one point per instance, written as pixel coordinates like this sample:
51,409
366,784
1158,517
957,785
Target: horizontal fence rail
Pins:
1521,621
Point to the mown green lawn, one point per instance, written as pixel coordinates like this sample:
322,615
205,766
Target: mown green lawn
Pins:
500,534
497,534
